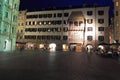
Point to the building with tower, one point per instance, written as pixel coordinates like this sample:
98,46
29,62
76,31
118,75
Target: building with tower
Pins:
66,28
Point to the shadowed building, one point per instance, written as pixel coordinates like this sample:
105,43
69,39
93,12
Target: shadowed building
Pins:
20,29
116,20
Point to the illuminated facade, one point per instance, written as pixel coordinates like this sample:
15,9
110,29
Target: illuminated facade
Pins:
20,29
66,29
8,24
117,20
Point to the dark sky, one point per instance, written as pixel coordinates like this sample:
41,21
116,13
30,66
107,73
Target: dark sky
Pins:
31,5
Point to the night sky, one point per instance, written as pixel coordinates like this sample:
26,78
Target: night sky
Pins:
32,5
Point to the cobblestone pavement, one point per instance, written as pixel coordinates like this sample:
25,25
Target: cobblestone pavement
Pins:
45,65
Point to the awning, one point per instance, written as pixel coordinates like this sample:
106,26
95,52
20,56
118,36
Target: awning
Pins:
21,42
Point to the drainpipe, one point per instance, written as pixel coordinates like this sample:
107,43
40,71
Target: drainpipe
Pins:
84,32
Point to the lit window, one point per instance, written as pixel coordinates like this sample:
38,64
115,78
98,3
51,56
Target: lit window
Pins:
117,4
49,22
89,21
40,23
89,29
45,23
58,29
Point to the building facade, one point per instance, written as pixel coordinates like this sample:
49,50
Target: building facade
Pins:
8,24
116,20
20,29
66,29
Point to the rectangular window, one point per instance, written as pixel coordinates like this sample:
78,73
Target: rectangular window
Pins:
58,29
101,12
65,37
101,38
101,21
70,23
65,22
14,18
38,37
54,15
58,22
13,29
65,29
49,15
89,21
48,37
89,29
30,37
6,15
66,14
20,37
101,29
89,38
40,16
59,15
44,15
0,8
21,31
15,6
89,13
80,22
116,13
75,23
33,23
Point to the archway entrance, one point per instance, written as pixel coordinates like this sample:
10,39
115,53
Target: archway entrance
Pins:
7,45
52,47
89,48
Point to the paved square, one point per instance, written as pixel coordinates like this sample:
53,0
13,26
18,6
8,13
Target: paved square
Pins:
45,65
